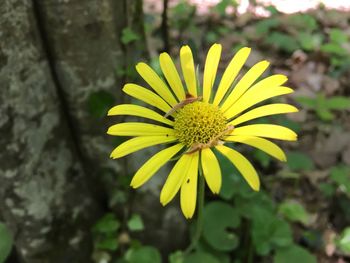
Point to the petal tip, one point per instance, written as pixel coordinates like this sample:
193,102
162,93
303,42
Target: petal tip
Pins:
110,112
188,216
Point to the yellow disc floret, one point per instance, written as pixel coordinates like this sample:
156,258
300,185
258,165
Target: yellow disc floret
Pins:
198,123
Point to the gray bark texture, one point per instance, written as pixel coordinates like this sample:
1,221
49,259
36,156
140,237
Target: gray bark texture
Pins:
53,55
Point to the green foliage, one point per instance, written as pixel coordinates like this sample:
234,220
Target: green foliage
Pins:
273,10
221,6
310,42
327,189
292,254
143,254
105,231
129,36
333,49
298,161
107,224
343,242
219,217
6,242
282,41
341,176
268,231
183,13
294,211
99,103
176,257
337,36
324,106
264,26
263,158
302,21
107,243
200,257
135,223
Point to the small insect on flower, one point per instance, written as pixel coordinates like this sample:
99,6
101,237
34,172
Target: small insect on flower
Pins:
194,120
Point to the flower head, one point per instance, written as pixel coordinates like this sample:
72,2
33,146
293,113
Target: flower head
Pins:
196,120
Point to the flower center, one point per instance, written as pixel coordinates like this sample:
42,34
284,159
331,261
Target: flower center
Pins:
199,123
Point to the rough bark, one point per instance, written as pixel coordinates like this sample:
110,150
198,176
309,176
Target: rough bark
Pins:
53,55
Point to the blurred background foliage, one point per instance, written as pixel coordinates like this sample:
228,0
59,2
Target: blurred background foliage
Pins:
302,213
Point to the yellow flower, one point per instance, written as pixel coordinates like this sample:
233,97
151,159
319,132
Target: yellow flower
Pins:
197,119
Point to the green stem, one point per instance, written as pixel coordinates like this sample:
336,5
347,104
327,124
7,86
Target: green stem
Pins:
199,225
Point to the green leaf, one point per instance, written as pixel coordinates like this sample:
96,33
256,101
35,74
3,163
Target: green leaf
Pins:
282,233
176,257
341,175
310,42
284,121
200,257
145,254
233,183
337,36
294,211
250,206
303,21
219,219
99,103
264,26
283,41
334,49
268,231
307,102
324,114
263,158
273,10
221,7
298,161
292,254
107,224
338,103
327,189
128,36
6,242
343,242
135,223
211,37
108,243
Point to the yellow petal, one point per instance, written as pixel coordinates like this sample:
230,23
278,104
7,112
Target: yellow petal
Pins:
188,71
266,110
251,98
149,168
176,177
188,194
211,170
172,76
266,130
139,129
261,144
147,96
156,83
231,73
136,110
244,83
210,68
243,166
139,143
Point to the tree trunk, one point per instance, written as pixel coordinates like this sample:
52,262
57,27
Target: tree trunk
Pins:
53,56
